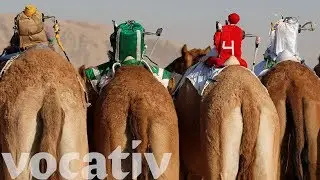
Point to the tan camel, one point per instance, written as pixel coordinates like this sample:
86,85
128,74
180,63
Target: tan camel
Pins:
317,68
42,109
136,106
232,131
294,90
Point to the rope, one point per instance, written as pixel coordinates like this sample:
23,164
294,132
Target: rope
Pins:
8,64
114,68
151,60
88,104
146,64
130,62
6,67
56,28
154,46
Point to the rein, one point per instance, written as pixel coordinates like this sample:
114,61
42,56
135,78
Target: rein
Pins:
130,62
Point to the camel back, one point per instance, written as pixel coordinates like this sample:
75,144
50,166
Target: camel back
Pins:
98,75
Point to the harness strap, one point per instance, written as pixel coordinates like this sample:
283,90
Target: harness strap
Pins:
130,62
88,104
6,67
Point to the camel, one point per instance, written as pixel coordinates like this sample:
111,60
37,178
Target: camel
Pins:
317,68
43,109
230,132
294,90
135,106
92,97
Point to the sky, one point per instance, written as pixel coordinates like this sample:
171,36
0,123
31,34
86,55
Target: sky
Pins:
190,22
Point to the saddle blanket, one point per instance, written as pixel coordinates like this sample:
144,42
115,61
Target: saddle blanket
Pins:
200,75
101,75
6,62
263,67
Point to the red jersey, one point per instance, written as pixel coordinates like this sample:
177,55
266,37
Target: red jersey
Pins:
228,42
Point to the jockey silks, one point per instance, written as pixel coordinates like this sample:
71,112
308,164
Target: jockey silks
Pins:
228,42
30,29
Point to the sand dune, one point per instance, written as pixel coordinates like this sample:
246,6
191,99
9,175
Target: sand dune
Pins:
87,43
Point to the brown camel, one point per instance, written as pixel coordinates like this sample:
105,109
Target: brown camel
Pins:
136,106
42,109
232,131
294,90
92,97
317,68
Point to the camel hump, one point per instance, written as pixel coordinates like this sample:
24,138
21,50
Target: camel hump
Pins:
232,61
52,115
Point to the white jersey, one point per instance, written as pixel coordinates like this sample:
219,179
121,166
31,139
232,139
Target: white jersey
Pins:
286,34
283,44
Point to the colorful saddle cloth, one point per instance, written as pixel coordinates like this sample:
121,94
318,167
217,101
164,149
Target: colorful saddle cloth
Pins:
200,75
100,75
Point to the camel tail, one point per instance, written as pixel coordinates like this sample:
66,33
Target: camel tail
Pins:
138,123
295,110
251,121
159,139
52,116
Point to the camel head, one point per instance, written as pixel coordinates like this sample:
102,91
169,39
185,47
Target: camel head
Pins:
187,59
181,64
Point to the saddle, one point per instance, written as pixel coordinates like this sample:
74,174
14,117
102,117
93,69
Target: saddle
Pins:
7,59
200,75
99,76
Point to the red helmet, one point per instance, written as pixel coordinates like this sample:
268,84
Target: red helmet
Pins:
233,18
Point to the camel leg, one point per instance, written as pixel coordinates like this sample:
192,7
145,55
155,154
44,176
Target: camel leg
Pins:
21,128
298,121
74,139
267,147
111,132
116,137
191,168
223,145
139,127
164,139
281,109
312,120
282,114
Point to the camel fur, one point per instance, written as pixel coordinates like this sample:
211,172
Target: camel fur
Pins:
136,106
232,131
42,109
294,90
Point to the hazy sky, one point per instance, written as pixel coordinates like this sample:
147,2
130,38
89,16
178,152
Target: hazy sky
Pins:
190,22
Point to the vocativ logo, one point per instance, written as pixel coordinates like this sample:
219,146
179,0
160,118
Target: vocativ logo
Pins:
16,168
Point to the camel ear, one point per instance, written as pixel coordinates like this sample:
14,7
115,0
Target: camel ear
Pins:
184,50
319,58
207,50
